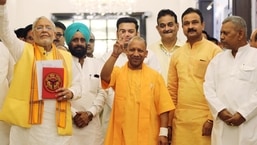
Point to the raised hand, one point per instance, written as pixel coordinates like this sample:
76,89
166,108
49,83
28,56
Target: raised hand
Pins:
2,2
118,48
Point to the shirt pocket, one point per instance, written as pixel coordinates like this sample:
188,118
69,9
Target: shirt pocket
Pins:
200,68
247,73
94,83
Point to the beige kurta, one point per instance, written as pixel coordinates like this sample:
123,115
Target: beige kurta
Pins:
140,97
164,55
185,85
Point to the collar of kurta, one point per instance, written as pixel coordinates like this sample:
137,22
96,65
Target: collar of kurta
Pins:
37,106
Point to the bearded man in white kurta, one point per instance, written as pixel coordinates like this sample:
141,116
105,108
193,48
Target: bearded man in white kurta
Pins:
231,87
86,121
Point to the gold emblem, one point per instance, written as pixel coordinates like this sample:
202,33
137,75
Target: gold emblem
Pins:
52,82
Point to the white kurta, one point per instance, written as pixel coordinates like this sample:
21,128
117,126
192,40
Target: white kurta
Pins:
231,82
45,133
93,99
6,69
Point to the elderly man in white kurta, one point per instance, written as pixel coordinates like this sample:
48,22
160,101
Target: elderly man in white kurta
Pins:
230,87
37,121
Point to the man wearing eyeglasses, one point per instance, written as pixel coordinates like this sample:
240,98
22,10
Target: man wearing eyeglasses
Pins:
59,40
28,34
35,119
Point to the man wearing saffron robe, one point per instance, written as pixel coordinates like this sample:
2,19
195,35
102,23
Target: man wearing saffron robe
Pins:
127,28
141,103
37,121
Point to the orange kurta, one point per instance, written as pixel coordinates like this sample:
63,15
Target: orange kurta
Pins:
185,85
140,97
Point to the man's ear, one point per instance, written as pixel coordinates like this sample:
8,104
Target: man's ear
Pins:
146,53
241,34
177,25
203,24
33,33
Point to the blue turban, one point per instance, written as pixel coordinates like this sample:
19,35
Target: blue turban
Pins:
75,27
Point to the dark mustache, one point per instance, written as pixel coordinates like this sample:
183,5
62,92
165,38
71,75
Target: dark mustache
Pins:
79,47
191,30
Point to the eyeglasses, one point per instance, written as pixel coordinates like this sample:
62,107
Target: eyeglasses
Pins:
58,35
41,28
91,40
29,38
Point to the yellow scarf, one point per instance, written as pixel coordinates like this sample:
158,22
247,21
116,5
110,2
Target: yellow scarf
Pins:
21,106
37,106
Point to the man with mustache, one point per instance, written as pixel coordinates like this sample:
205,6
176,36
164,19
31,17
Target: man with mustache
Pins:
59,38
36,120
87,125
167,26
192,120
230,86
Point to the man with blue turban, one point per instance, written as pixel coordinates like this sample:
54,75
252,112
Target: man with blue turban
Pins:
77,33
87,125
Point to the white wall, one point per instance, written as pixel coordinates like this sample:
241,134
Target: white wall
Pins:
154,6
221,10
23,12
254,14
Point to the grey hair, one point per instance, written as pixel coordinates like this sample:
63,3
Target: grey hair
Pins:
238,21
39,18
